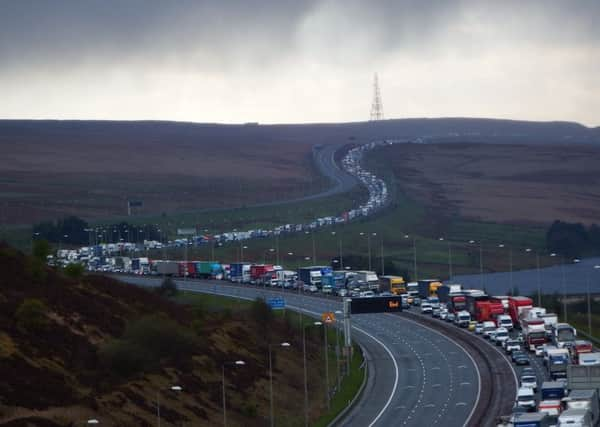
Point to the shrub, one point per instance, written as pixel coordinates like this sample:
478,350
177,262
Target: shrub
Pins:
261,312
41,250
74,270
145,343
31,315
168,288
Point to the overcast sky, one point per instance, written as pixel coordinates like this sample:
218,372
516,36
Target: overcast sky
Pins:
291,61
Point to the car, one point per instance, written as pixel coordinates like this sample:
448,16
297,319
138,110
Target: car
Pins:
450,317
443,314
472,325
491,335
436,312
367,294
511,345
313,288
521,359
516,353
487,328
526,398
342,292
479,328
527,371
529,381
416,301
539,351
426,308
501,336
385,294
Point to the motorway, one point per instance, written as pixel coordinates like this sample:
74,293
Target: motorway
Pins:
417,376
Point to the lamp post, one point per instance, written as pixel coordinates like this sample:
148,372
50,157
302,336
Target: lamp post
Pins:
510,267
173,388
406,236
242,247
369,245
236,363
589,304
338,313
341,258
538,274
563,285
326,361
283,344
449,258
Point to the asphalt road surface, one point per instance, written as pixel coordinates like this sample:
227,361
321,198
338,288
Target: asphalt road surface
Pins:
417,376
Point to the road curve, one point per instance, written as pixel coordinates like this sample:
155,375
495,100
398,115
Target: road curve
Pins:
417,376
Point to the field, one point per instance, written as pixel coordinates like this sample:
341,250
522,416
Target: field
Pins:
517,184
92,169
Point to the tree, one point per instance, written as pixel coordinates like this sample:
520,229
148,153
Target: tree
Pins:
261,312
41,250
569,240
32,315
168,288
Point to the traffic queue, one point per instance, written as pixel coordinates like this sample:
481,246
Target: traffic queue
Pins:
565,391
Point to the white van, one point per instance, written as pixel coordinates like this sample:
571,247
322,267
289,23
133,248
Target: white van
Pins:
504,321
575,418
526,397
488,327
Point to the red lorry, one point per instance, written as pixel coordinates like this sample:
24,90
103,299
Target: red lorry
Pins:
580,347
457,303
488,310
257,271
516,305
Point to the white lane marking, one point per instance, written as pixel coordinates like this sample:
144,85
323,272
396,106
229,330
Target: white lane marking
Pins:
465,383
409,386
461,404
468,355
435,368
436,385
429,405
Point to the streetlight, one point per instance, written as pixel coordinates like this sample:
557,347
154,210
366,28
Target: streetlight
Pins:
539,279
333,233
93,421
368,245
589,306
283,344
242,247
449,258
314,249
172,388
236,363
510,268
338,313
472,242
326,361
406,236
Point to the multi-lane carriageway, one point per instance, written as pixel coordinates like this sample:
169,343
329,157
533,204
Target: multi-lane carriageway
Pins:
421,371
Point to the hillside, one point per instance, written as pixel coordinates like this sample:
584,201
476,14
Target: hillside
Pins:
508,183
91,168
90,355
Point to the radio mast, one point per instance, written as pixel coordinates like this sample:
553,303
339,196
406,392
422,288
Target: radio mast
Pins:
376,106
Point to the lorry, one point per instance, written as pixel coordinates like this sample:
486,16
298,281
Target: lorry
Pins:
486,310
140,265
557,362
207,269
368,278
501,298
550,319
239,272
575,418
578,348
393,284
563,333
472,298
531,419
534,333
428,288
552,390
463,318
589,359
516,305
445,291
412,288
504,321
582,377
259,270
166,268
457,303
310,276
584,399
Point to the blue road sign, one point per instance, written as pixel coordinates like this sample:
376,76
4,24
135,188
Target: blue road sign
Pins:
276,303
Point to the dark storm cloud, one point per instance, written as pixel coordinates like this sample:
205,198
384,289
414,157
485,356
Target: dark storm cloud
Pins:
63,32
58,31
